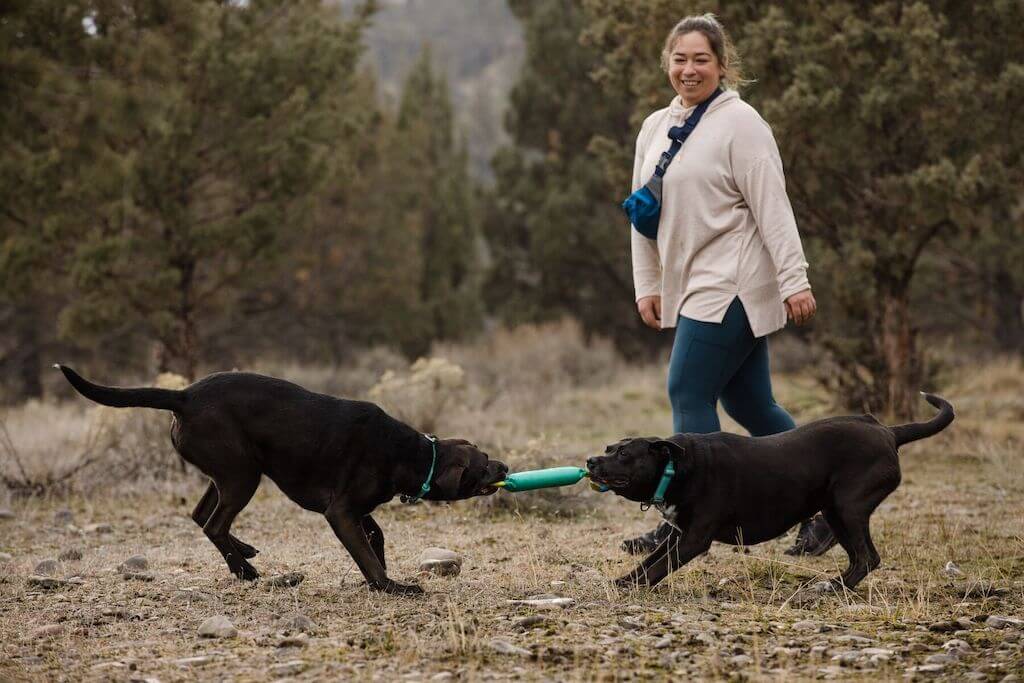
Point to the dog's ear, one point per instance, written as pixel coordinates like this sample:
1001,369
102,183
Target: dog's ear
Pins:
671,450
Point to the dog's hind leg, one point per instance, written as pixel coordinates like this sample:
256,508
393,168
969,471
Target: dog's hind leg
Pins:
235,492
205,507
349,530
849,516
376,538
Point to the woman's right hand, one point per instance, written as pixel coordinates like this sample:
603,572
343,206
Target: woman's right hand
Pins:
650,311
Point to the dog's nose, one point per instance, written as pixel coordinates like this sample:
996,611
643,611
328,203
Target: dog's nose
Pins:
503,468
591,463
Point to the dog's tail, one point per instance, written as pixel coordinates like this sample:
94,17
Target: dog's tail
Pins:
919,430
164,399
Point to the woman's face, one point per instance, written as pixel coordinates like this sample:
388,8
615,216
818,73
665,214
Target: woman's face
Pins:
693,69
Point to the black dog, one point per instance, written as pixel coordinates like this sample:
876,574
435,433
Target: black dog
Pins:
337,457
744,490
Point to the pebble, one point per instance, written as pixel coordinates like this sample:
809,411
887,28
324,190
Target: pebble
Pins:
47,567
98,528
135,563
6,513
545,601
194,661
442,676
46,582
506,648
287,580
996,621
217,627
6,557
296,621
440,561
663,643
940,659
138,576
300,640
956,644
295,666
528,622
878,652
943,626
70,555
926,668
807,626
741,660
852,639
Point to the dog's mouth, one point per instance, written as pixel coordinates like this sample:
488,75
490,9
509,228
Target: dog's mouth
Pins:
610,482
488,488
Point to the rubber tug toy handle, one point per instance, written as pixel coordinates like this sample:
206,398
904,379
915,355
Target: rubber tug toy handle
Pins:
544,479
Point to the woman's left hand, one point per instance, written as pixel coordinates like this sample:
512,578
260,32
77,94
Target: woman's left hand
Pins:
800,307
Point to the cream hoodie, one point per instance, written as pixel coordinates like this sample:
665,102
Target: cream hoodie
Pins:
726,226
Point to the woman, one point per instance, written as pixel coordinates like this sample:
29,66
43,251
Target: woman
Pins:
727,266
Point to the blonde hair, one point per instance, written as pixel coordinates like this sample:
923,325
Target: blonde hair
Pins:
725,52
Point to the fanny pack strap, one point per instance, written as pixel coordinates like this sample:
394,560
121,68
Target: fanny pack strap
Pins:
678,134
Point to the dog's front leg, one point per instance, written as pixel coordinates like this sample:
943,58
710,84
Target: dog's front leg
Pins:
376,538
349,530
638,576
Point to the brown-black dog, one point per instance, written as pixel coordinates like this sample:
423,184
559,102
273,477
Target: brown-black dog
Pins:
745,490
334,456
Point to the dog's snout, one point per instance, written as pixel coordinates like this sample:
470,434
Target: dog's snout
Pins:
592,462
502,468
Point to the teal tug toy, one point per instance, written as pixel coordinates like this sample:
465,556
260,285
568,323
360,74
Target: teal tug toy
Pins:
545,479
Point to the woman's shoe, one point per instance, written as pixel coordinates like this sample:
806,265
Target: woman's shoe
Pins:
814,538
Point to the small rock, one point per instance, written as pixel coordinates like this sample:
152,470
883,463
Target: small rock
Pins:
956,644
217,627
47,631
975,676
877,651
99,528
63,516
996,621
287,580
138,576
546,601
47,567
806,626
741,660
528,622
818,651
506,648
952,570
296,621
663,643
194,661
442,676
926,668
965,623
6,557
46,582
295,666
300,640
70,555
440,561
943,626
6,513
135,563
940,659
852,639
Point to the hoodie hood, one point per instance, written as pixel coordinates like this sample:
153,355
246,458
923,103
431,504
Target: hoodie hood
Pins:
677,110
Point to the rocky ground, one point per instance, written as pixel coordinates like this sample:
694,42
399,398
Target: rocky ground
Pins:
121,585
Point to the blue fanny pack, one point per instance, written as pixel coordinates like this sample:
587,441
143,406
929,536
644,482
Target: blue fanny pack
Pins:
644,206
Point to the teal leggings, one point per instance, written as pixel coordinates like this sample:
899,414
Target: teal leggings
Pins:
712,361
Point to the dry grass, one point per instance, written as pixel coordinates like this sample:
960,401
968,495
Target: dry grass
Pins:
728,614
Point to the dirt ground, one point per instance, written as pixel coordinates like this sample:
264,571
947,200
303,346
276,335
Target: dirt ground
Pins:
734,613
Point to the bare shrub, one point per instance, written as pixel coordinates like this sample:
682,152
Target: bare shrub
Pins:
420,396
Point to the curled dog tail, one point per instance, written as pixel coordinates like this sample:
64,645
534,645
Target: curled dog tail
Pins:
920,430
164,399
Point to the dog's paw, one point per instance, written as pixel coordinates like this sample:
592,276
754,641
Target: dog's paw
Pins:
396,588
629,582
246,572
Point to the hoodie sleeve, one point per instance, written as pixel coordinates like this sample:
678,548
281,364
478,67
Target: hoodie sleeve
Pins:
757,168
646,261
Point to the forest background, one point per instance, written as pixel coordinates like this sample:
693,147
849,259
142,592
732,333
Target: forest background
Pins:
190,186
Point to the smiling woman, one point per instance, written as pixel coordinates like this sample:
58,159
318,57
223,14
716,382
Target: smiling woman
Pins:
724,266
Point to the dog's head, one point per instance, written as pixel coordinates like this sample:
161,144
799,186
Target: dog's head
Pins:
464,471
632,468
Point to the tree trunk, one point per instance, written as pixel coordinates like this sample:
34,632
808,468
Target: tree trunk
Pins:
897,343
1009,310
180,353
